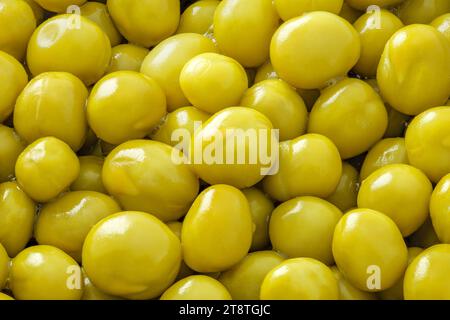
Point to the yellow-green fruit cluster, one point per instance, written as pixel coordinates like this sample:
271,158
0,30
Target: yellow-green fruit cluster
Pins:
224,149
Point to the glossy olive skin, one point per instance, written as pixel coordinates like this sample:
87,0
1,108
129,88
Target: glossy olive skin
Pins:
98,13
90,176
127,57
197,287
50,48
400,191
243,30
288,9
46,168
261,207
217,230
440,209
165,62
365,238
244,279
122,255
186,118
309,59
374,28
398,78
17,22
59,6
351,135
422,11
232,166
384,152
345,195
427,142
347,291
145,22
363,4
17,215
65,222
141,175
198,17
212,72
396,291
442,24
309,165
300,279
13,79
10,147
427,276
4,266
281,104
40,111
43,273
303,227
125,105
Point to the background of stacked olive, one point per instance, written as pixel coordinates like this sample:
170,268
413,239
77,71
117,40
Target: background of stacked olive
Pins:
234,149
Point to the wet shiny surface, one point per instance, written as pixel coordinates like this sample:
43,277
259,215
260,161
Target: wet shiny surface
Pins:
17,23
281,104
440,209
65,222
13,79
374,28
98,13
384,152
303,227
198,17
245,278
211,72
127,57
415,61
165,62
125,105
400,191
300,279
427,277
131,255
141,175
310,50
197,287
428,142
17,216
90,176
50,48
353,134
309,165
344,197
40,273
364,238
145,22
243,30
40,112
10,148
261,207
217,231
46,168
251,154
